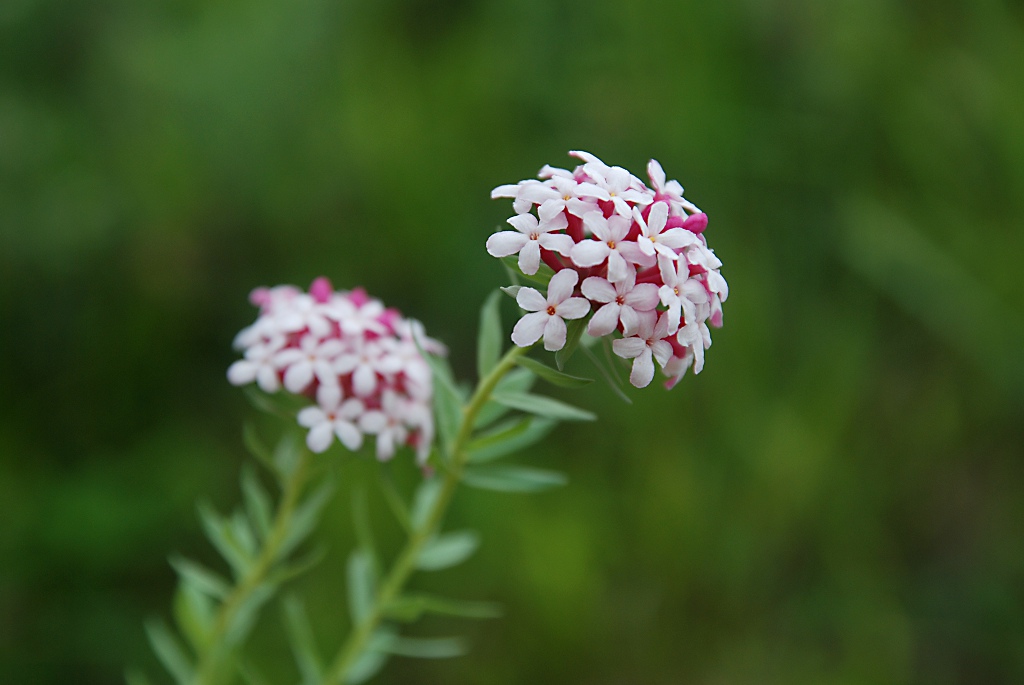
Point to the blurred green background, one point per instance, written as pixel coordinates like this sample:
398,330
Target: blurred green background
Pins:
838,498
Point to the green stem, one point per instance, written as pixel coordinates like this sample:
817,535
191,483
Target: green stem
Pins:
405,563
208,670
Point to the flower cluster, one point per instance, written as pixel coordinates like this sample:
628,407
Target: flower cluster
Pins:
636,255
355,358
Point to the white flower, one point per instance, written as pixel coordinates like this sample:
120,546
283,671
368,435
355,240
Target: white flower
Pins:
356,318
622,187
676,368
653,239
696,336
681,293
311,359
259,365
363,360
387,424
610,244
623,300
324,422
669,191
646,346
303,312
532,235
547,317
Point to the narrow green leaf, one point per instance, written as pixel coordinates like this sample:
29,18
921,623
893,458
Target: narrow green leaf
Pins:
424,499
410,608
447,400
428,647
193,612
245,616
200,577
519,434
135,677
362,584
574,331
305,518
170,651
256,447
543,406
220,534
283,573
303,643
517,380
608,373
373,658
242,533
286,454
447,549
361,523
553,376
513,478
488,344
394,499
257,502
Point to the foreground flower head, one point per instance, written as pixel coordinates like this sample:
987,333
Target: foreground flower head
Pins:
637,255
355,359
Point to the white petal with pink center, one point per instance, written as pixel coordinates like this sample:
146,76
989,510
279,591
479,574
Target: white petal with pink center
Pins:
610,244
533,234
669,191
681,293
622,301
259,365
547,317
325,422
311,359
644,348
654,238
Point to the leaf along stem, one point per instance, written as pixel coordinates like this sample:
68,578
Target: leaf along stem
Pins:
208,669
405,563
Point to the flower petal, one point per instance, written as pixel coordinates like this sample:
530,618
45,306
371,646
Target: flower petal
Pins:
628,348
310,416
573,308
298,377
561,285
598,289
531,300
597,225
529,328
618,269
630,320
589,252
241,372
559,242
524,223
605,320
349,435
554,334
643,297
320,437
529,257
504,243
364,380
642,372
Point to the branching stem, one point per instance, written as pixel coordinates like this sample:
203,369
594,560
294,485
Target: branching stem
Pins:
208,670
405,563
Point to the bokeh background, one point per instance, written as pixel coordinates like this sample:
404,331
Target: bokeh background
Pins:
838,498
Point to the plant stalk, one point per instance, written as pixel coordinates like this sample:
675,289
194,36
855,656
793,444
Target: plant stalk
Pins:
208,670
405,563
